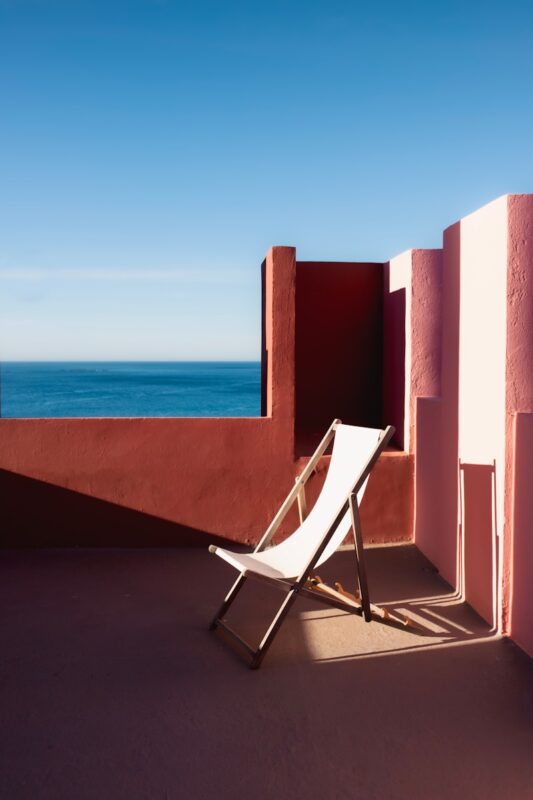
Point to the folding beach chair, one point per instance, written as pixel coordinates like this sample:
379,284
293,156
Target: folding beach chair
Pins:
290,564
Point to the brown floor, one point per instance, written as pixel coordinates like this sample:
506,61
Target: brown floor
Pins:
112,687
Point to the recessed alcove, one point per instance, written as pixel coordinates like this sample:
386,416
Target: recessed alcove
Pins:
338,349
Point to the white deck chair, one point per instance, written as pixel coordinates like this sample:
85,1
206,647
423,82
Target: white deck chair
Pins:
289,565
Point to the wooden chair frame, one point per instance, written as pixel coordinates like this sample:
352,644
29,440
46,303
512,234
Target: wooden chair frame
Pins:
305,584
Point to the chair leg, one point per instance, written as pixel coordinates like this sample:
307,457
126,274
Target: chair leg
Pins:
360,559
228,600
275,625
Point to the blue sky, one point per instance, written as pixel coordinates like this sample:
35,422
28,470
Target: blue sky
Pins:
151,152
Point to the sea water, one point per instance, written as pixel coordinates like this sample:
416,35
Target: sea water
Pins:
130,389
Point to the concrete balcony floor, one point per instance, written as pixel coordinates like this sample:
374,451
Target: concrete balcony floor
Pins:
113,687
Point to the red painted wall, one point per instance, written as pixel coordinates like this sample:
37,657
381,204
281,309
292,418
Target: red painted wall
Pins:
222,477
339,332
172,482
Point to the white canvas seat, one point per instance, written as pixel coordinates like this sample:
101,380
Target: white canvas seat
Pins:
289,565
351,449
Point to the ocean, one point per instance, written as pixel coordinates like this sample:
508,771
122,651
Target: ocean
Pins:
130,389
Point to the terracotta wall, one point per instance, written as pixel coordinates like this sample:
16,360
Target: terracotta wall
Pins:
220,477
181,481
339,334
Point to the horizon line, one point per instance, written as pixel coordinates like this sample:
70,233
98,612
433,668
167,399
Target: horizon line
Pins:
130,361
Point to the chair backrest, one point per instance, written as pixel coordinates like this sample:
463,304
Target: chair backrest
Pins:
353,447
351,451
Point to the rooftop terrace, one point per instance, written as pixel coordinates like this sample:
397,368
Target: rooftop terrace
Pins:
113,686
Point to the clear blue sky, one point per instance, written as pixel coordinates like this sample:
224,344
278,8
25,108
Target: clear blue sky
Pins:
152,151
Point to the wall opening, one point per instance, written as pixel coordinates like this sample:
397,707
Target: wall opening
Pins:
339,347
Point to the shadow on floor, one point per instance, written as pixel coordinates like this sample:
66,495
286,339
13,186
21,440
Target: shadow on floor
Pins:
113,687
40,514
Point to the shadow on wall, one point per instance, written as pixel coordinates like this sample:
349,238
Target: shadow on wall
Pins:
437,434
522,555
394,360
456,508
264,349
478,537
39,514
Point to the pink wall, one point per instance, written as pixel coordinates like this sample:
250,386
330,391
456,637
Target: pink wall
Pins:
175,481
412,383
521,555
432,514
518,564
412,337
473,511
459,505
415,345
482,352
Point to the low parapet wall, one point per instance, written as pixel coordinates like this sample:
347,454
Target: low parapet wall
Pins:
166,482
